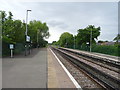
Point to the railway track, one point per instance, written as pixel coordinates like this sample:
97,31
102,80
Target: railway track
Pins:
109,62
110,82
113,71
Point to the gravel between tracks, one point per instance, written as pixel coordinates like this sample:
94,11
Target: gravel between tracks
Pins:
82,79
98,66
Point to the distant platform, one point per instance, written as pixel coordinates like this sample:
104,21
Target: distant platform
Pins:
97,55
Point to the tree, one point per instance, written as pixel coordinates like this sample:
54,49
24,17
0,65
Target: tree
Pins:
66,40
53,43
18,31
13,31
100,41
83,36
38,31
10,16
117,38
7,27
3,16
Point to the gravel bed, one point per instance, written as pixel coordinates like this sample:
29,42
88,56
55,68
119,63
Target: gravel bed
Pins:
83,80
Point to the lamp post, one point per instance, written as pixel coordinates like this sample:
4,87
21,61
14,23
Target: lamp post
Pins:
26,32
74,41
91,40
37,38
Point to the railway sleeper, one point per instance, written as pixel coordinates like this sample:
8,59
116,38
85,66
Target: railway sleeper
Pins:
102,60
109,81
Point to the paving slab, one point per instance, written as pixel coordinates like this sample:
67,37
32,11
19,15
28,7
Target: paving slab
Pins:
25,71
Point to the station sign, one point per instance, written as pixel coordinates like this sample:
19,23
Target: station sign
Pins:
11,46
28,38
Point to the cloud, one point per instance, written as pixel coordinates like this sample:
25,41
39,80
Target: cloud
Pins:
59,24
69,16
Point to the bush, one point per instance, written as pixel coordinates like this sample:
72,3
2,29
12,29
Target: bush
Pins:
19,48
105,49
111,49
5,49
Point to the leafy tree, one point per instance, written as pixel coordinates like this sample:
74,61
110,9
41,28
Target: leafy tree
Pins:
83,36
100,41
66,40
10,16
117,38
3,16
7,27
18,31
53,42
117,44
13,31
38,31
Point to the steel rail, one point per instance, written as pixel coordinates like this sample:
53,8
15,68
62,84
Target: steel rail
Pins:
109,81
102,60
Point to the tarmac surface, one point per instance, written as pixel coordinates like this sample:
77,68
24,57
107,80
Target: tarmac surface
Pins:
40,69
25,71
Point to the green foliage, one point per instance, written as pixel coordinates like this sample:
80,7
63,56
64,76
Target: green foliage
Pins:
66,40
54,42
83,47
19,48
100,41
13,31
38,31
84,35
106,49
117,38
82,41
10,16
3,16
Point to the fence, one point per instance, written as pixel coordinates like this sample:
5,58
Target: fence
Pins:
18,48
105,49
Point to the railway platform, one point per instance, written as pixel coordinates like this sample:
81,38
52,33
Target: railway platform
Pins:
57,77
40,69
25,71
109,58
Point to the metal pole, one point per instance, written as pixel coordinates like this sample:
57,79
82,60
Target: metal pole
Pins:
74,41
26,21
91,41
11,53
37,39
26,32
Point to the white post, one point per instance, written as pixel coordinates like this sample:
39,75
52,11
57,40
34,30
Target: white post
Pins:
26,22
11,53
26,32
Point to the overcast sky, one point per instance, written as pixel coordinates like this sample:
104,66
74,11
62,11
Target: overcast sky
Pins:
68,16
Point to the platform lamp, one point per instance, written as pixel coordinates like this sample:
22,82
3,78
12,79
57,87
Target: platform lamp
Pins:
26,32
91,40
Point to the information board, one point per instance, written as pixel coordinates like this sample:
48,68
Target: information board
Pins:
28,38
11,46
